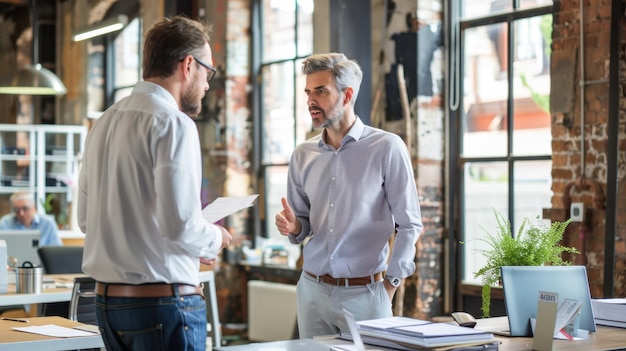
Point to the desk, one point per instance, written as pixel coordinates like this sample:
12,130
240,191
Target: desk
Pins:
47,295
20,341
606,338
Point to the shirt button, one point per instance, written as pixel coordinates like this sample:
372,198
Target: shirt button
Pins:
330,230
332,205
186,327
182,299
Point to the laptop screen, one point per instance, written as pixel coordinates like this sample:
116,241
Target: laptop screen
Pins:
521,286
22,245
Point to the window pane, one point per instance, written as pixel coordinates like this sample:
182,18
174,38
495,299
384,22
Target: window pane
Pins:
528,4
127,55
278,112
481,8
276,179
276,188
304,123
279,30
485,189
305,27
485,91
533,181
531,89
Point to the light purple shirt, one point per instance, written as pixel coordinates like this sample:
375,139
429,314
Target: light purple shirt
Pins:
348,201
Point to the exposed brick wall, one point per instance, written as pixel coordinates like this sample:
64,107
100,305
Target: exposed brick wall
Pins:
580,169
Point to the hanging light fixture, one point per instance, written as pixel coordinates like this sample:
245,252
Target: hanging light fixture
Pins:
33,79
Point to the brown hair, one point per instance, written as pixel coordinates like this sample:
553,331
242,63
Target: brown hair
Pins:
169,41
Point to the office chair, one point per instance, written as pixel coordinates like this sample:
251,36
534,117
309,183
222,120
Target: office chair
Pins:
60,260
82,308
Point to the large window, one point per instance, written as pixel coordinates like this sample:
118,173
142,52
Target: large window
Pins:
502,119
286,38
126,65
114,67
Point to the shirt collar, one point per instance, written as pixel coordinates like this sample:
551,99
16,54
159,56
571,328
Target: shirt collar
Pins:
355,133
153,88
36,220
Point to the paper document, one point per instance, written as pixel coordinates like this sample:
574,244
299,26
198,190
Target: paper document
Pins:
54,330
567,312
225,206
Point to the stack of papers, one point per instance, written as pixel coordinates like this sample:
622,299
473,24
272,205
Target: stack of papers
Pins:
611,312
415,333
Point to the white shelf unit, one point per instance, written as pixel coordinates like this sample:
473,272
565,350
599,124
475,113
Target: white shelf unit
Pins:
52,153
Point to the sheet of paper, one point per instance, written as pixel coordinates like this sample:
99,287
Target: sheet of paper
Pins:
54,330
391,322
568,310
225,206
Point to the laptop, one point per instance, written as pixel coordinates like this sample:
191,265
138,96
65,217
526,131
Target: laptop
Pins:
22,245
521,286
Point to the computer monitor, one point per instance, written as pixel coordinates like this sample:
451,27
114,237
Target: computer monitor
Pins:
521,286
22,245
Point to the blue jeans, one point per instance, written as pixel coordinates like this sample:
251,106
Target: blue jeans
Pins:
162,323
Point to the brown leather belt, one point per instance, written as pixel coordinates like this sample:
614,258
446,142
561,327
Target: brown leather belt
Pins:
328,279
146,290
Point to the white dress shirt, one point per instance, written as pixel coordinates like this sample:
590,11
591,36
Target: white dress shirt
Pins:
139,193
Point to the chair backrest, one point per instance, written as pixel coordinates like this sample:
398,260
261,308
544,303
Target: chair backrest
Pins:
61,259
82,308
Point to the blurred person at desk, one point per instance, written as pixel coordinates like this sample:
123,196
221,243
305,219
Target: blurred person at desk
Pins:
349,189
25,217
139,199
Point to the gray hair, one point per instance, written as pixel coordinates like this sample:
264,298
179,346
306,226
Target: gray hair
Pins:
23,195
346,72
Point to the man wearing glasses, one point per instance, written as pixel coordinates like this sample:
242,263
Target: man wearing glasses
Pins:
24,216
139,199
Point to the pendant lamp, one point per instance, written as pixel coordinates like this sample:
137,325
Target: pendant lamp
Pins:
33,79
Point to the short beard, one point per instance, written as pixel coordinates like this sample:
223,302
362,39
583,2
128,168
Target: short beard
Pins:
333,116
190,104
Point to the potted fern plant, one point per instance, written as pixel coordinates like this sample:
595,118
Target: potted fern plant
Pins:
534,245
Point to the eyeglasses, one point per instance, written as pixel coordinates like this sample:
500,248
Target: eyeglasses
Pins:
22,209
211,69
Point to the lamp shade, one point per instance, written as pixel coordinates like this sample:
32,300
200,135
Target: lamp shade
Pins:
33,80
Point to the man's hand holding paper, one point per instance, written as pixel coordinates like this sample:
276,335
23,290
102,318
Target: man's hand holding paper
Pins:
218,209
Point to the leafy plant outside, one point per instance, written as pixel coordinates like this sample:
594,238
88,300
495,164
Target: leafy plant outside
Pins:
534,245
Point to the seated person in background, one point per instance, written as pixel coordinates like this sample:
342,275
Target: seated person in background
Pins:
25,217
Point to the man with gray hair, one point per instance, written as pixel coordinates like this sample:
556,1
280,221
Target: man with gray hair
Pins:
24,216
349,189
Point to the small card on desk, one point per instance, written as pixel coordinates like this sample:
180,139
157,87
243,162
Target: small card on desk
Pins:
546,320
